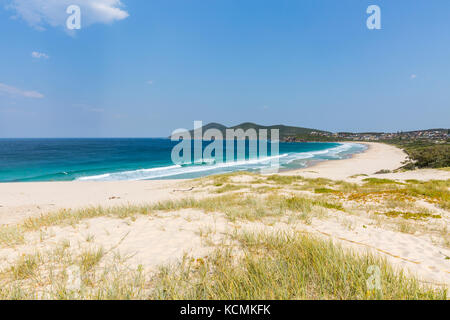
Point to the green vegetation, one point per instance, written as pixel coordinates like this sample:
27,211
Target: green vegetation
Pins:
372,181
424,153
284,131
324,190
410,215
358,175
230,187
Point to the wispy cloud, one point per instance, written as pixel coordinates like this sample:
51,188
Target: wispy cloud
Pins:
413,76
150,82
39,55
13,91
42,13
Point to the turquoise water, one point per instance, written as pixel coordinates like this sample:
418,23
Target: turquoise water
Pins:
138,159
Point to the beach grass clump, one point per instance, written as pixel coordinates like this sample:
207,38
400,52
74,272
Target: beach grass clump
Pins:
250,207
11,235
25,267
406,227
266,189
90,258
310,184
433,189
358,175
221,179
410,215
15,234
376,181
325,190
73,217
284,180
329,204
62,273
285,267
229,188
317,182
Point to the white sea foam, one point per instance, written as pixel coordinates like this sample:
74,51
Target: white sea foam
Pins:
162,172
211,165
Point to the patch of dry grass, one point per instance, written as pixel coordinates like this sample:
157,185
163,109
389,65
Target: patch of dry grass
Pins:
410,215
286,267
63,274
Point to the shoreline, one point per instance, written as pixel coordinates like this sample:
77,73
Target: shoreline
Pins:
313,163
377,156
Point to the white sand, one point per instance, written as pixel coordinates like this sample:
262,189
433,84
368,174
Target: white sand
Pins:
377,157
153,241
22,200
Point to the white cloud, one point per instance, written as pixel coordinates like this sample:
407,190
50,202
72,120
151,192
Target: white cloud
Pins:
39,55
150,82
13,91
42,13
413,76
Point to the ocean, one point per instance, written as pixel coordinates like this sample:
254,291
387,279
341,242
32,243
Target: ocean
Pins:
23,160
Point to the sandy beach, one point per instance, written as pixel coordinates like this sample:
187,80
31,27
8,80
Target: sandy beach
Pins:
166,237
377,157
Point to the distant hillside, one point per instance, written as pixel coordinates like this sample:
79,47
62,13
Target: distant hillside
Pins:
285,131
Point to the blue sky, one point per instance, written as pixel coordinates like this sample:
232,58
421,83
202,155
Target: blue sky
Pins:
144,68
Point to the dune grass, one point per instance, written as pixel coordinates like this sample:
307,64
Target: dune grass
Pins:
410,215
375,181
285,266
230,187
240,206
233,205
251,207
258,266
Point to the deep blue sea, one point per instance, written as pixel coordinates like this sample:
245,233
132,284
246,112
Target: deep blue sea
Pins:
138,159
